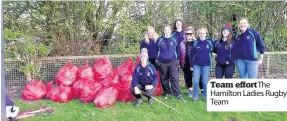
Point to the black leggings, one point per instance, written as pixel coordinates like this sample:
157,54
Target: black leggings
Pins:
224,70
142,87
188,74
152,61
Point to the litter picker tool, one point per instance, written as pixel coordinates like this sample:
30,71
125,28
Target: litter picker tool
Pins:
170,107
29,114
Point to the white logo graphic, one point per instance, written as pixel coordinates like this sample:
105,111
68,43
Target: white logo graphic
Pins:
148,73
248,37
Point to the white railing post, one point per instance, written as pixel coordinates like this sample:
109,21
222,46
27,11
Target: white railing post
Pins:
268,65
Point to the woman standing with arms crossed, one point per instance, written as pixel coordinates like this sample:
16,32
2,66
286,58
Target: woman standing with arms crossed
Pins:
201,61
168,60
248,42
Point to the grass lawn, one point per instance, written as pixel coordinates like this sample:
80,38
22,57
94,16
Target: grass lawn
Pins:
189,111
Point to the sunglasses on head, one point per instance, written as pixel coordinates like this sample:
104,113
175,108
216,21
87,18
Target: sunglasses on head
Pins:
188,33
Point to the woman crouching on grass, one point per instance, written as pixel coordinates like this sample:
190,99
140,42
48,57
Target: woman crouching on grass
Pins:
201,61
144,79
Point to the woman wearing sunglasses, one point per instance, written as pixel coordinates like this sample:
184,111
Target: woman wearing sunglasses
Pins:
186,47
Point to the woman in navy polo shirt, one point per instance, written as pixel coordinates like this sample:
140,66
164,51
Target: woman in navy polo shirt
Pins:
201,61
249,54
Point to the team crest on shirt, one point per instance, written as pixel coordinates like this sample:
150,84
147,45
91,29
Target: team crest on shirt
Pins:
207,46
171,43
140,73
148,74
248,37
226,47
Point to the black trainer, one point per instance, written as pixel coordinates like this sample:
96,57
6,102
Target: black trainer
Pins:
138,102
181,98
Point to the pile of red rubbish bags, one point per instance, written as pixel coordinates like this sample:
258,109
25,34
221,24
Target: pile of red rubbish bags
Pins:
100,84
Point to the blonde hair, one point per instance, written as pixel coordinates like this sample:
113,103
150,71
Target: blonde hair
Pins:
244,18
202,29
155,35
189,28
167,26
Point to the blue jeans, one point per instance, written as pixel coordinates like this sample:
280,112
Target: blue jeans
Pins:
203,72
247,68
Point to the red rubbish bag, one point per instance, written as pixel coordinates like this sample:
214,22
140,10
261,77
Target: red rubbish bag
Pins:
102,68
49,88
78,86
106,97
85,72
125,95
111,80
89,91
126,79
138,60
67,74
61,94
158,86
136,63
125,68
65,94
35,90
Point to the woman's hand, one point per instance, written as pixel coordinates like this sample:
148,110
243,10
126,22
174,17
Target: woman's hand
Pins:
260,61
191,69
137,91
227,63
148,87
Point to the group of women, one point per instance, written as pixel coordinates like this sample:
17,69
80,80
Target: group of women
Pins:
192,52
